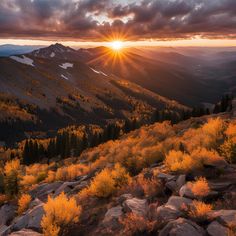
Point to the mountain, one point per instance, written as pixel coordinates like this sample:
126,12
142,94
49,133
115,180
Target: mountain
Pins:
40,92
176,76
9,49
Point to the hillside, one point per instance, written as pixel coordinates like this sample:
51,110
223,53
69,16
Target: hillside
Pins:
161,179
51,88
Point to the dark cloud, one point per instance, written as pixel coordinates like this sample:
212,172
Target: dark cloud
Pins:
95,19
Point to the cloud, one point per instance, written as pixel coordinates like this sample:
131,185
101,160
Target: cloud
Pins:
96,19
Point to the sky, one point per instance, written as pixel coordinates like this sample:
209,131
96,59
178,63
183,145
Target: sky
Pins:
140,22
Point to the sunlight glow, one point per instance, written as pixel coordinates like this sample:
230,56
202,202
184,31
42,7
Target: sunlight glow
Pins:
117,45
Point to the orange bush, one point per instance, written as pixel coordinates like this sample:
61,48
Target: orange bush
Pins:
23,203
200,187
135,225
60,212
199,210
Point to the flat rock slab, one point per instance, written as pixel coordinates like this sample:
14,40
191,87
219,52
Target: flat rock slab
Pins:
215,228
165,214
136,205
182,227
177,203
226,217
25,232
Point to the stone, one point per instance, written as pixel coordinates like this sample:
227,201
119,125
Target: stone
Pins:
124,197
177,203
66,187
7,213
43,190
226,217
185,191
165,214
31,219
165,177
182,227
181,180
137,206
5,230
25,232
113,213
171,185
214,228
220,186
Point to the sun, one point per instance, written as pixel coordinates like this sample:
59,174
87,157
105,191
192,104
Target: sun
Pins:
117,45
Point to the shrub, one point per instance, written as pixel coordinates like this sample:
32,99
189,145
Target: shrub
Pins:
228,150
11,180
107,182
3,199
23,203
199,210
200,187
136,225
60,213
27,181
179,161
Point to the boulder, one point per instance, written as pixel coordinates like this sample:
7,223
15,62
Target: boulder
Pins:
219,186
79,187
25,232
181,180
137,206
31,219
177,203
66,187
182,227
7,213
124,197
171,185
113,213
43,190
165,177
185,191
5,230
226,217
165,214
217,229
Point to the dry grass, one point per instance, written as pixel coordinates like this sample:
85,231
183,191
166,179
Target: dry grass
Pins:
200,187
199,210
23,203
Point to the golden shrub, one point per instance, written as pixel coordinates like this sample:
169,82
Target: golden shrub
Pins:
23,203
60,212
228,150
51,176
231,130
136,225
105,183
200,188
13,165
3,199
199,210
28,180
179,161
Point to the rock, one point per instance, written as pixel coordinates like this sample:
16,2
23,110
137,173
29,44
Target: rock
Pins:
25,232
124,197
171,185
181,180
227,217
113,213
185,191
137,206
43,190
34,203
218,164
66,187
165,214
221,186
217,229
177,203
31,219
79,187
7,213
182,227
165,177
5,230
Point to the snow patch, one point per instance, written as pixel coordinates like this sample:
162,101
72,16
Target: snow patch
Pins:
25,60
52,54
64,77
98,72
66,65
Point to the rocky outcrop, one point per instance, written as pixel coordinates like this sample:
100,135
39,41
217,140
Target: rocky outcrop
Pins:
25,232
226,217
113,213
217,229
178,203
137,206
7,213
165,214
182,227
31,219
